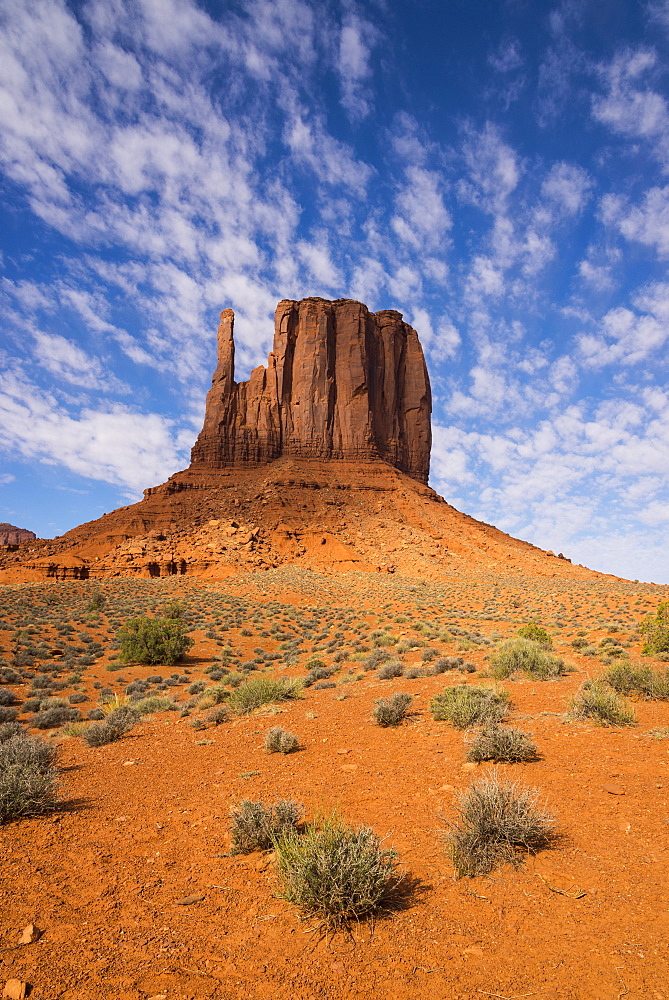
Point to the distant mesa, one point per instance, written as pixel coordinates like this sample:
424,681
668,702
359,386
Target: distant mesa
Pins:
341,382
11,535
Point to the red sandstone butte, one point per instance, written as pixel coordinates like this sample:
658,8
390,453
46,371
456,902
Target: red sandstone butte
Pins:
341,382
11,535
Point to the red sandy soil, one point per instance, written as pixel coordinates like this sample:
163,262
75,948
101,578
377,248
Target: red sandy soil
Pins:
145,820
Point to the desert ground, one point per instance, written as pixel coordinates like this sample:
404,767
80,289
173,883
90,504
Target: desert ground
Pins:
131,883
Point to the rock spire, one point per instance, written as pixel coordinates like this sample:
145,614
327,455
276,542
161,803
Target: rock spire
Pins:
340,383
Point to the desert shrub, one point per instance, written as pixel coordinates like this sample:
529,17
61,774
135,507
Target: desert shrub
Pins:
97,601
154,703
411,673
391,711
197,687
503,744
496,821
335,873
597,701
6,697
155,679
77,698
390,670
95,715
656,630
323,685
99,734
528,656
219,714
153,640
28,778
8,730
53,718
317,674
376,657
119,721
535,633
279,740
428,654
642,680
579,642
8,714
254,825
261,691
445,663
465,706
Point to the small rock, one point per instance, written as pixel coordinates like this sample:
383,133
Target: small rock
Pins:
15,989
129,763
469,767
613,789
187,900
29,934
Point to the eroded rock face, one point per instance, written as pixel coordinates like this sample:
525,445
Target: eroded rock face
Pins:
340,383
11,535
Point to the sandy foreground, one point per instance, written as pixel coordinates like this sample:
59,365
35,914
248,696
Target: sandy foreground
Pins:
131,884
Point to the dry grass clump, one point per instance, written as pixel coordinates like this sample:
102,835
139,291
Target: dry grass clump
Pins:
261,691
466,706
497,820
527,656
391,711
279,740
502,744
641,680
597,701
335,873
28,778
254,825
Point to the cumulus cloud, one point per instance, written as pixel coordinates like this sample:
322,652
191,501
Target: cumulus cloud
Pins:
114,444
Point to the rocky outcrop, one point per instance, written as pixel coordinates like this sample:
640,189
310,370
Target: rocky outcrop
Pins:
340,383
11,535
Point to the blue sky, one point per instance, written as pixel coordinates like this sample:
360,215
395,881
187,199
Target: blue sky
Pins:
496,171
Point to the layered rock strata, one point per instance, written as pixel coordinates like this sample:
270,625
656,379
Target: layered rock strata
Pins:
340,383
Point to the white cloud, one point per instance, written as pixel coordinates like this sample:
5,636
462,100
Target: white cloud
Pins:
630,109
115,444
493,169
567,186
355,41
647,223
422,220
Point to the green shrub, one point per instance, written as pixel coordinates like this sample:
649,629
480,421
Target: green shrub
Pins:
502,744
465,706
254,825
597,701
391,711
656,630
642,680
153,640
496,821
536,633
528,656
261,691
28,778
333,872
278,740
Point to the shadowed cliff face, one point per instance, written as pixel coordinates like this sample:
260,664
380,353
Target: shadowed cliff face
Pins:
340,383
